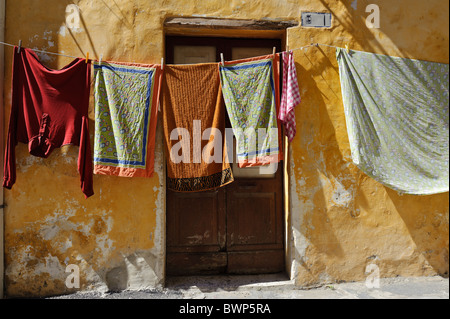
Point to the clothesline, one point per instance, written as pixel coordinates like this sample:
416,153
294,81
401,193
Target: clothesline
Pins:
41,51
300,48
74,57
427,176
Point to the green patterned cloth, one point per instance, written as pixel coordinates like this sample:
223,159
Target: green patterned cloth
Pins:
249,94
123,101
397,119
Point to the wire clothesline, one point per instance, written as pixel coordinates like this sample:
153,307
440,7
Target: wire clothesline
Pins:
42,51
74,57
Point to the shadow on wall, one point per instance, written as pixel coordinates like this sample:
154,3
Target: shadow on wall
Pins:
135,271
428,225
329,187
334,185
321,124
399,25
426,217
354,22
314,137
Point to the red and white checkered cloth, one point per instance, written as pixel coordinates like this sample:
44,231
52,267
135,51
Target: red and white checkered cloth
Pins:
290,96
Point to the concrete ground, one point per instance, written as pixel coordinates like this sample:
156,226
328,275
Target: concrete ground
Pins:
279,287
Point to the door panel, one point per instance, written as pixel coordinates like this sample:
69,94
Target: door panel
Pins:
196,264
255,226
238,228
252,219
255,262
196,221
196,234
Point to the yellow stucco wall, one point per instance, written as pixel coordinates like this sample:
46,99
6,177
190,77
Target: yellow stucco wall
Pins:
339,220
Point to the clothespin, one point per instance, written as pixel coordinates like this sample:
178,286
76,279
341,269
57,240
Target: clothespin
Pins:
346,48
274,51
101,58
287,47
20,45
162,63
87,57
222,59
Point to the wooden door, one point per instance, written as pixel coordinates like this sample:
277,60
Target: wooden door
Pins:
237,229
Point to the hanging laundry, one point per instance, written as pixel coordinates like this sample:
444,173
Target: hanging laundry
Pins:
251,94
397,119
49,109
126,112
290,96
194,128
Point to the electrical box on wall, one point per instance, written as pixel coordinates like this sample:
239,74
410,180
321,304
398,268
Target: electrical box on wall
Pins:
316,19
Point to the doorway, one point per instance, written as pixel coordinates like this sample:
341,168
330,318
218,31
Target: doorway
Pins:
236,229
